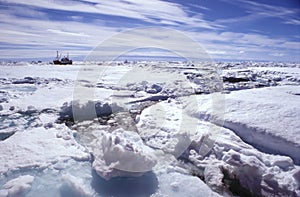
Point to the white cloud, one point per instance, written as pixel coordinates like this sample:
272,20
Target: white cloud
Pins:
76,18
200,7
35,38
151,53
37,53
292,21
277,54
217,52
236,45
257,11
146,11
237,39
291,45
68,33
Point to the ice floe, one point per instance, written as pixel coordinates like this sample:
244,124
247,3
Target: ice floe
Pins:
39,148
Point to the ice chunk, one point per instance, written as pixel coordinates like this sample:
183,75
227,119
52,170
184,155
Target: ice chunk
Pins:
284,163
153,89
17,187
297,176
76,186
258,172
28,80
3,193
177,185
76,111
122,153
165,126
213,177
247,170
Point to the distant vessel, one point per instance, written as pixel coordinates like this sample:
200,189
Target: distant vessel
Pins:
62,61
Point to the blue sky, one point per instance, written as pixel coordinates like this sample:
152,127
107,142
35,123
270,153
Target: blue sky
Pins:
227,29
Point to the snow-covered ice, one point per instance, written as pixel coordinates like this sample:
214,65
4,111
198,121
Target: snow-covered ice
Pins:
149,129
258,171
266,118
39,148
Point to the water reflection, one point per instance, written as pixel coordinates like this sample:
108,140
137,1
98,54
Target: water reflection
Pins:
126,186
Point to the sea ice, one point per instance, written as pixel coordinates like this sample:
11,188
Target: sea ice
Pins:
39,147
170,120
226,152
266,118
17,187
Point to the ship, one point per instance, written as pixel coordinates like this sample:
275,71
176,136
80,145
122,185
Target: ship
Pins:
62,61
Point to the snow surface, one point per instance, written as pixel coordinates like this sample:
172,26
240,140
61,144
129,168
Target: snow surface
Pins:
266,118
149,129
39,147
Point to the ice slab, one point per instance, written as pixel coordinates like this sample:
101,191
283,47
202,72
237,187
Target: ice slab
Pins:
267,118
39,148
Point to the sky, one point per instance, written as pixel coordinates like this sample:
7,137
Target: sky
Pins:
229,30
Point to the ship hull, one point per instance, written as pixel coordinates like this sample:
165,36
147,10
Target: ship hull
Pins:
58,62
